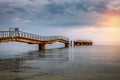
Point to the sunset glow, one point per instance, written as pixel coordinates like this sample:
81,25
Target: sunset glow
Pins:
110,21
103,34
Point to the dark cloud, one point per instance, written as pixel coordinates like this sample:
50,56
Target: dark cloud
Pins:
58,12
31,0
19,9
16,10
55,8
69,8
101,7
83,5
3,7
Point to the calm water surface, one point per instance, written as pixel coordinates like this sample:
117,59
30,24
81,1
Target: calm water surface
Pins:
74,63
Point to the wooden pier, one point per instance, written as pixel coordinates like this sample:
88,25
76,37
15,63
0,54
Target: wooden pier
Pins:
13,34
83,43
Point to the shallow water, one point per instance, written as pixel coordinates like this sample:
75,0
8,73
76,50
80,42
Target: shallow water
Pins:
74,63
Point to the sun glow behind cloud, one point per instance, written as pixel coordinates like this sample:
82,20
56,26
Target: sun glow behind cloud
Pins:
109,21
106,29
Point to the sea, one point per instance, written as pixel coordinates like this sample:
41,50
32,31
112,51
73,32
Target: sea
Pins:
97,62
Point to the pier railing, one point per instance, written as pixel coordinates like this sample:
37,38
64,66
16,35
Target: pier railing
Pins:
7,34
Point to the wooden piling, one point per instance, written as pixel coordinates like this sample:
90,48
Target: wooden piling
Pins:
83,43
66,45
41,46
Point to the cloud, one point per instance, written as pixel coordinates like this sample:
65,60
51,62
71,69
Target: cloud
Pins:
58,12
114,5
20,20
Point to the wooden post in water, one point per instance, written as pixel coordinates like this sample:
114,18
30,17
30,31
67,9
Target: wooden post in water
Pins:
41,46
71,43
66,45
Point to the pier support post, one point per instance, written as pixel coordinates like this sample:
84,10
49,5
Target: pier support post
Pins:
66,45
41,46
71,43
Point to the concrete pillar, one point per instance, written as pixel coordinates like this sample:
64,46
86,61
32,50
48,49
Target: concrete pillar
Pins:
66,45
41,46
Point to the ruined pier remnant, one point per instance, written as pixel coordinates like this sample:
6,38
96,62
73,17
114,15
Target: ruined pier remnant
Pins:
83,43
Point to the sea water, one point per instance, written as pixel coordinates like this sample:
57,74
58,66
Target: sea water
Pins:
98,62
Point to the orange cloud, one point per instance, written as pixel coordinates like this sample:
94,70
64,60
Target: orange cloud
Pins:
110,20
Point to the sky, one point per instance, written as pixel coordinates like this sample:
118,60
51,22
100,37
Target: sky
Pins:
96,20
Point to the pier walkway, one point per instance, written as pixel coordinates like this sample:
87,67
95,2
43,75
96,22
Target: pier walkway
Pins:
20,36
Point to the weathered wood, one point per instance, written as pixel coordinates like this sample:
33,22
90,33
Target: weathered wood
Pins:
41,46
66,45
20,36
82,43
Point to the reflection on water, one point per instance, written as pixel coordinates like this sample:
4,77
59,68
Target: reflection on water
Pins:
75,63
